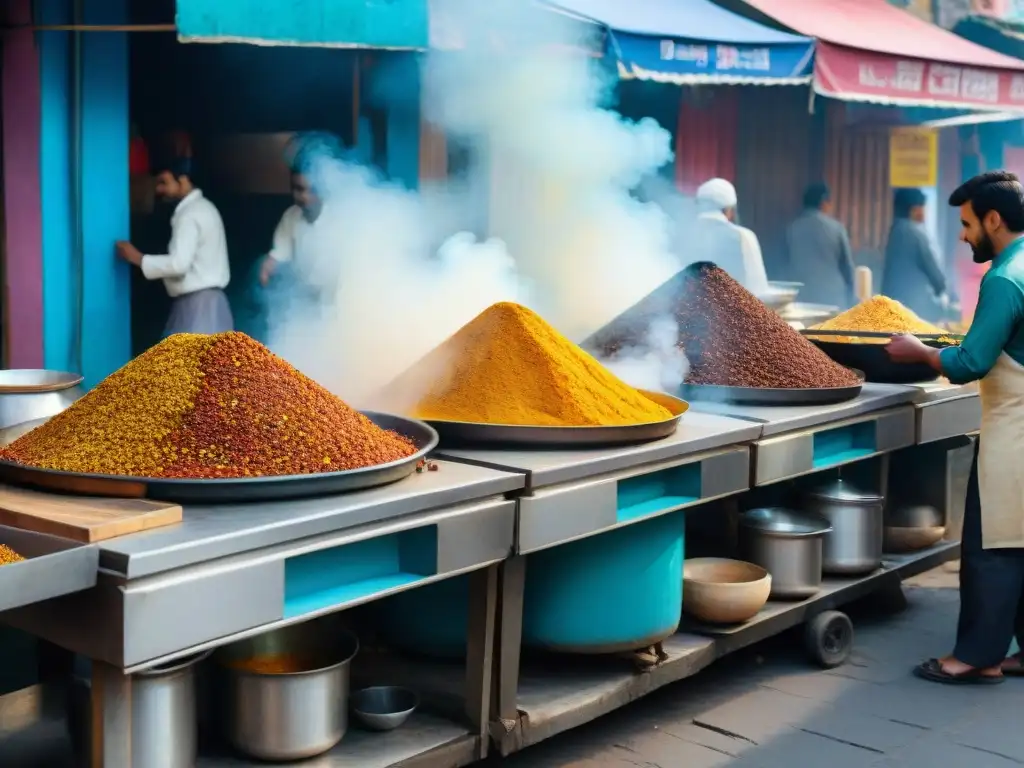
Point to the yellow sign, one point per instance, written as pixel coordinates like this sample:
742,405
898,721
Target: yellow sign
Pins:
913,157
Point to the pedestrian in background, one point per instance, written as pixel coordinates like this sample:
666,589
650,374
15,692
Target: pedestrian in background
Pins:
819,252
912,274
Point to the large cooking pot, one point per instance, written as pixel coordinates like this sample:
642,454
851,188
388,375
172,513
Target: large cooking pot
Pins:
788,545
854,545
29,395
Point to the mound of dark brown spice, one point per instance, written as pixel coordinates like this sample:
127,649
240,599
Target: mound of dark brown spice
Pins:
730,338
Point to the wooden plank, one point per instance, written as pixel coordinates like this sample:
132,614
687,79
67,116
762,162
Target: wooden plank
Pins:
83,518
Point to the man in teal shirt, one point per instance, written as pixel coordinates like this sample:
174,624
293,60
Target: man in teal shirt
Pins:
992,550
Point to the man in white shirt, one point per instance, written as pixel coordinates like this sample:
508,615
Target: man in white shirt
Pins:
195,268
720,240
295,234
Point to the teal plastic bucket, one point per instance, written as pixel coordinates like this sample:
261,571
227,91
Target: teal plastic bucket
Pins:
616,591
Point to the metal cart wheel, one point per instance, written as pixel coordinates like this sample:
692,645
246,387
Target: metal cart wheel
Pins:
828,638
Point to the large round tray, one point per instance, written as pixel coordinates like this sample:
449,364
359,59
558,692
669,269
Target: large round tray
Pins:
472,434
755,396
242,489
875,362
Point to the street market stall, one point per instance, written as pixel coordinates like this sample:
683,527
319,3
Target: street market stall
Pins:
549,568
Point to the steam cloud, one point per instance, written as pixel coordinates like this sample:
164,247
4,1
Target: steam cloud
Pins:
569,239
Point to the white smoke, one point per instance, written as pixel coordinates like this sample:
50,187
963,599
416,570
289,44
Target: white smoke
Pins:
558,170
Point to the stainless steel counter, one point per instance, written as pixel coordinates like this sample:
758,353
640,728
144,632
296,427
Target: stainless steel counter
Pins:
573,494
228,572
211,532
776,420
698,432
798,440
944,410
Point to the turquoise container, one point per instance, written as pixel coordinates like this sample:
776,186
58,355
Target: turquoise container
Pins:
617,591
432,620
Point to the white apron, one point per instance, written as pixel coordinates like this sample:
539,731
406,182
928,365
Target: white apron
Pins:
1000,468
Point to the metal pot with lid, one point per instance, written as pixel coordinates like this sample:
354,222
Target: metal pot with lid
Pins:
788,545
854,545
30,395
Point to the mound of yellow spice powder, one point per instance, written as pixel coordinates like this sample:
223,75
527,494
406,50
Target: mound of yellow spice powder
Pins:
878,314
508,366
197,406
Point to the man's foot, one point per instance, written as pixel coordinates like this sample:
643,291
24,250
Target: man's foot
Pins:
951,671
1013,665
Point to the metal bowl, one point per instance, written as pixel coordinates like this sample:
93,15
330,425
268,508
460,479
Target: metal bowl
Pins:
292,715
384,707
720,591
914,516
900,540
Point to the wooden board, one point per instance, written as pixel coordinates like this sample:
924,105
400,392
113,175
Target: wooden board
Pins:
82,518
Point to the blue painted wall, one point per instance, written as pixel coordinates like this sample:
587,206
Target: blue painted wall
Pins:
86,299
55,183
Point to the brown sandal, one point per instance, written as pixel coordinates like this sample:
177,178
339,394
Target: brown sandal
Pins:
932,671
1018,669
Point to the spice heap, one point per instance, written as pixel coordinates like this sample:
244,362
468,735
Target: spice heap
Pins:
878,314
277,664
8,555
508,366
202,406
729,337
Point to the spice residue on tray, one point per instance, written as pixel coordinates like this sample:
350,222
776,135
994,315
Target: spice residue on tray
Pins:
730,338
8,555
275,664
508,366
197,406
879,314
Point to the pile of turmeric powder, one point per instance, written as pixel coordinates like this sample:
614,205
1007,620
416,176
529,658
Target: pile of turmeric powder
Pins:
879,314
508,366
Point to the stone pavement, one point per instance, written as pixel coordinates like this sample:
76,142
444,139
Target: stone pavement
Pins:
767,707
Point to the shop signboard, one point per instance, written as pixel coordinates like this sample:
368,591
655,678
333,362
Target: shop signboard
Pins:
913,157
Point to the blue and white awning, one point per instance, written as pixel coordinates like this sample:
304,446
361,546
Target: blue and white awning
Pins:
689,42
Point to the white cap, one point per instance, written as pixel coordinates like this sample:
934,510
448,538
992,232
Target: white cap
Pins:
717,193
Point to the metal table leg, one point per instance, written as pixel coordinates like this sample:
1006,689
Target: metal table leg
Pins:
111,717
483,609
505,731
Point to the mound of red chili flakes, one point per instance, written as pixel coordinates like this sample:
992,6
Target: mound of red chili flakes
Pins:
198,406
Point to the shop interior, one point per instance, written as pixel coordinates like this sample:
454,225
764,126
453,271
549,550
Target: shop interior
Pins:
233,108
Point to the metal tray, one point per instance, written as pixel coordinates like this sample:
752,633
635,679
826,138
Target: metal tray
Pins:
243,489
756,396
464,433
875,362
52,567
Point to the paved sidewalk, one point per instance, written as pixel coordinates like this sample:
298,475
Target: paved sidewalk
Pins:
767,707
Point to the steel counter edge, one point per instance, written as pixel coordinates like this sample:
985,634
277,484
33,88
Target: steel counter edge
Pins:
232,571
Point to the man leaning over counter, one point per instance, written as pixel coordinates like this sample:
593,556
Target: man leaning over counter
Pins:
992,551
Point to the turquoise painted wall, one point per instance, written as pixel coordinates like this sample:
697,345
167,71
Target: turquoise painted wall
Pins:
85,205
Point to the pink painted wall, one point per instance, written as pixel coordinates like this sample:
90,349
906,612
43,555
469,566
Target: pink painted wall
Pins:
23,270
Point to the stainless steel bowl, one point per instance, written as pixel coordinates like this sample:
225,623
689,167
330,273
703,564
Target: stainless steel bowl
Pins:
384,707
291,716
29,394
914,516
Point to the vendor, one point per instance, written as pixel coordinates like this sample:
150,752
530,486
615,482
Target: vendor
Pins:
912,274
195,268
295,229
820,256
992,550
721,241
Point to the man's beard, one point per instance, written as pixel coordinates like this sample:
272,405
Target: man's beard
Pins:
984,251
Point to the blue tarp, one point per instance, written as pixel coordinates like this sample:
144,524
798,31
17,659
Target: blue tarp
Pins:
397,24
696,41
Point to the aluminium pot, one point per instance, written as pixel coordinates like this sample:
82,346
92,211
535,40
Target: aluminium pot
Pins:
294,715
788,545
854,545
164,720
30,395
